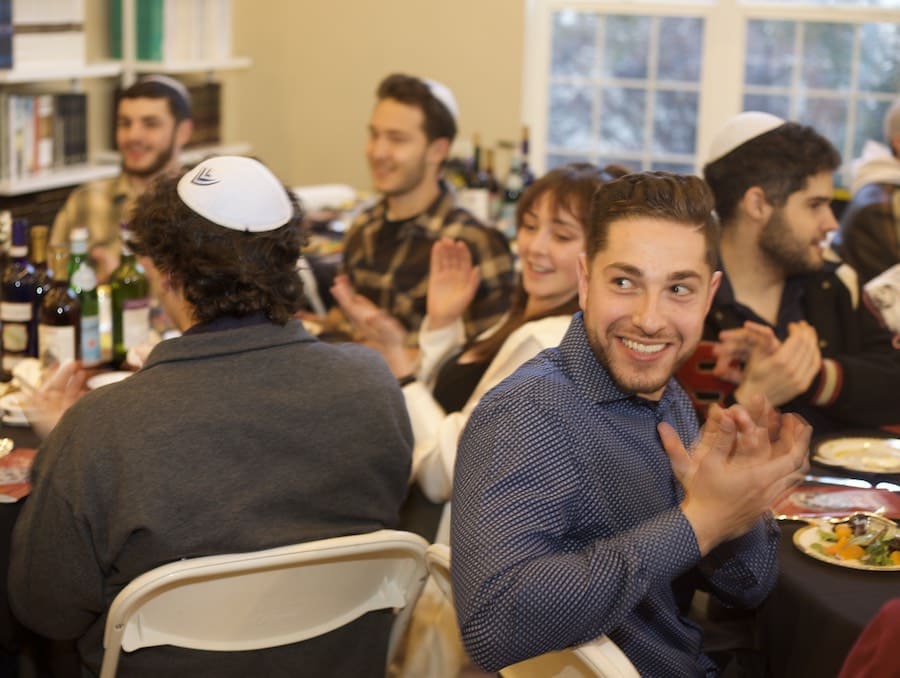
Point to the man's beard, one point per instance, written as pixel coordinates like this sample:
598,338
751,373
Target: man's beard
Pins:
634,383
784,248
162,161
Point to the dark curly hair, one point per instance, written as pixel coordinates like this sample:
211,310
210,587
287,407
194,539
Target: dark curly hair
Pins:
779,161
406,89
684,199
220,271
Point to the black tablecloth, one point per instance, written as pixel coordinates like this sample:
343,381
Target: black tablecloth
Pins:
810,621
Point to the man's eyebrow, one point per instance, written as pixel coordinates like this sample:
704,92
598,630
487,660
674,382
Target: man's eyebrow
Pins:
684,275
629,269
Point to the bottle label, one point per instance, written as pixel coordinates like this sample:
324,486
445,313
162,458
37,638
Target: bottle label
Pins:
84,277
90,340
135,322
16,312
15,337
56,343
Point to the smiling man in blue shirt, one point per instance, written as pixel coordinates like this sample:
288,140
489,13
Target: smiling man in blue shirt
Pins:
577,509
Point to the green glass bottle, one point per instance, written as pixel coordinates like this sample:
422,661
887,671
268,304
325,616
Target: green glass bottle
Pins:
83,282
130,304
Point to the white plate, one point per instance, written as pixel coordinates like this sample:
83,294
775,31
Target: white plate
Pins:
805,537
106,378
872,455
13,415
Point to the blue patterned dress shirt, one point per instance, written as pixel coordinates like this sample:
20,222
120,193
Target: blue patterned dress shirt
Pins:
566,522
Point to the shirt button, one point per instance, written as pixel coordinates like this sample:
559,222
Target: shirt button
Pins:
826,284
823,343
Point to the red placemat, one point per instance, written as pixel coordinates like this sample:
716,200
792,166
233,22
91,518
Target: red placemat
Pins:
15,468
812,500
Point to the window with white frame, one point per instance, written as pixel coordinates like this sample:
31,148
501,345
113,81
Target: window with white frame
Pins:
646,84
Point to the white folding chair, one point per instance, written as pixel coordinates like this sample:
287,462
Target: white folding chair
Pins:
248,601
599,658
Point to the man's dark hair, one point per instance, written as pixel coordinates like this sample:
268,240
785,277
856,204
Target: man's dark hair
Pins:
683,199
780,162
221,272
439,122
179,103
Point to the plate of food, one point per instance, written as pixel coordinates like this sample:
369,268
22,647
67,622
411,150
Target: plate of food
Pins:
867,454
861,542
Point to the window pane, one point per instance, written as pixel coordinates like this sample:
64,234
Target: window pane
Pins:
569,123
828,116
879,59
828,55
574,43
622,119
675,122
677,167
680,60
626,46
869,123
770,53
768,103
558,160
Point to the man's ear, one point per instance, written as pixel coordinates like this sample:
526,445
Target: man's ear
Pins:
438,150
183,132
755,205
583,280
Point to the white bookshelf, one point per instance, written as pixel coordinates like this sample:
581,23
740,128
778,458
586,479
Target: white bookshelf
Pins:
57,178
50,73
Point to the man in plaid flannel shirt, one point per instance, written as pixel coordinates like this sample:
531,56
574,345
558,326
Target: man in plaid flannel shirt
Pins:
387,249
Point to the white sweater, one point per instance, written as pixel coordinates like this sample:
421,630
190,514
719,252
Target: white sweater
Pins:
436,433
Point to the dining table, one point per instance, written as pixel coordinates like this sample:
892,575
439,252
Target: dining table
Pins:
817,610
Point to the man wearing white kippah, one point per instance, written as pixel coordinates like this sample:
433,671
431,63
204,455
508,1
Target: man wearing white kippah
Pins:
242,434
153,123
387,250
787,321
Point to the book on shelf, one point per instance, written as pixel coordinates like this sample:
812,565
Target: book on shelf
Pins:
41,131
6,34
47,33
175,30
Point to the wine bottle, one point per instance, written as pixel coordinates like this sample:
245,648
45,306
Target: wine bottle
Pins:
524,148
17,301
512,188
130,303
83,282
59,319
37,237
475,170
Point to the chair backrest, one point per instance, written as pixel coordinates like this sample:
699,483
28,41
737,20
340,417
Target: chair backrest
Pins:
599,658
248,601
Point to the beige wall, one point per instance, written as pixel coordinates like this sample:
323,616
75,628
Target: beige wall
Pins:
305,102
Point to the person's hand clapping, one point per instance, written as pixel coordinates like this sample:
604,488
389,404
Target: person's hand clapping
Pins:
58,392
735,346
739,466
452,282
785,372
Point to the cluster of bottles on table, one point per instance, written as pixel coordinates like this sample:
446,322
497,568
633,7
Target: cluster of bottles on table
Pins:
52,308
492,199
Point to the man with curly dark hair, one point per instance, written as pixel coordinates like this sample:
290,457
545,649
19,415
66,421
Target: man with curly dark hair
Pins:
242,434
787,321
